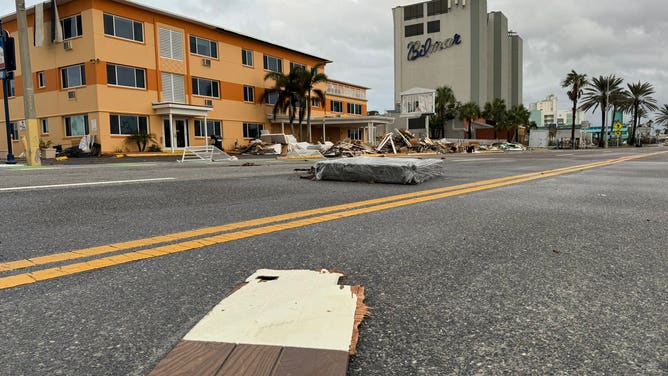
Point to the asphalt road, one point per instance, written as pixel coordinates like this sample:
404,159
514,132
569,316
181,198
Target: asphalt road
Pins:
561,275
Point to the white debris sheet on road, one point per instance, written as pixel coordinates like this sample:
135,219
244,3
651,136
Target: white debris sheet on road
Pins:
380,170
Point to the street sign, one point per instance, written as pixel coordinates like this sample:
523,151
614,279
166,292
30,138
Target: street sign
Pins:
618,125
618,133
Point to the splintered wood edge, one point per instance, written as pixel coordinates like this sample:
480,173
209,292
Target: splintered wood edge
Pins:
361,312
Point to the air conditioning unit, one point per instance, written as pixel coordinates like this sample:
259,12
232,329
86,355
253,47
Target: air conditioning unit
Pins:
208,102
206,62
67,45
72,95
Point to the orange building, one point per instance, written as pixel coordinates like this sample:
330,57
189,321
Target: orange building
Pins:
124,67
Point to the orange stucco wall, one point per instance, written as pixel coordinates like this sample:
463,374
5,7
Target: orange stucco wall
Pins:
97,99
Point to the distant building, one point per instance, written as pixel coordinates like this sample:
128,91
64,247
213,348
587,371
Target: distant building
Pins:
458,44
546,113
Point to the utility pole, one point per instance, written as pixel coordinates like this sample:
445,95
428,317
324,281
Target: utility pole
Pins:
7,66
32,125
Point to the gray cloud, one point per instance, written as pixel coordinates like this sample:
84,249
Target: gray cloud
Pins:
600,37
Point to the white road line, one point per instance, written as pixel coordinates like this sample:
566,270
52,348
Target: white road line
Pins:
470,160
83,184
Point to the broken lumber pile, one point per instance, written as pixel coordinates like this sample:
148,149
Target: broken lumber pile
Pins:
258,147
349,148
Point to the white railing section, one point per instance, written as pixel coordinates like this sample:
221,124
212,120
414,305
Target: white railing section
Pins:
208,153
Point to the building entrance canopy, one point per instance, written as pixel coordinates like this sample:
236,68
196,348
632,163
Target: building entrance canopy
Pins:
171,110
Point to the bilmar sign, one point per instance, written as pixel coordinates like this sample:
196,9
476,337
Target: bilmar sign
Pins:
418,49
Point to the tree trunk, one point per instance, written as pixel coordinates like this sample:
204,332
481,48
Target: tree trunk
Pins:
601,141
308,118
632,139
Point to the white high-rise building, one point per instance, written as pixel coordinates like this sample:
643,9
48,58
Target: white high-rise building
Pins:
459,44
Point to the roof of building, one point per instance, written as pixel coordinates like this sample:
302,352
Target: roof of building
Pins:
47,5
418,90
347,83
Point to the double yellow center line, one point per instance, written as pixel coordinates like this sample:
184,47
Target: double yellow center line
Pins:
200,238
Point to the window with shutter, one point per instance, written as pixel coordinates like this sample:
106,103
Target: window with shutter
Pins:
171,44
173,88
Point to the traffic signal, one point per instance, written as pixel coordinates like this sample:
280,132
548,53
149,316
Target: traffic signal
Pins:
10,52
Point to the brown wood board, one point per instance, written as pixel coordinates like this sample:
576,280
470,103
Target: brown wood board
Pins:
194,358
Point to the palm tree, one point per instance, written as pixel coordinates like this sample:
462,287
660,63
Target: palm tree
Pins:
576,82
602,92
662,117
308,79
287,89
518,115
141,139
446,107
469,112
638,99
496,112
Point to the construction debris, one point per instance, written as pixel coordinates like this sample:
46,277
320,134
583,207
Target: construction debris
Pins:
380,170
399,141
349,148
283,322
259,147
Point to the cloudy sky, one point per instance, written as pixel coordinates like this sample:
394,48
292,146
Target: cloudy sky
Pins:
622,37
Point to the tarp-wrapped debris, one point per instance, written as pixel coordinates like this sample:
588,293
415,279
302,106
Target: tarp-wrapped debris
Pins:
380,170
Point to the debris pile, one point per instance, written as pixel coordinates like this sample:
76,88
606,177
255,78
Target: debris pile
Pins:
503,146
349,148
399,141
259,147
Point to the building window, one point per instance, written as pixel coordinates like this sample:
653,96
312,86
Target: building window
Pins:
123,28
273,64
414,11
337,106
272,98
126,76
73,76
127,125
206,87
14,127
252,130
249,94
204,47
76,125
41,79
171,44
45,126
247,58
437,7
354,108
354,134
173,88
11,87
294,66
213,127
315,102
413,30
433,26
71,27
